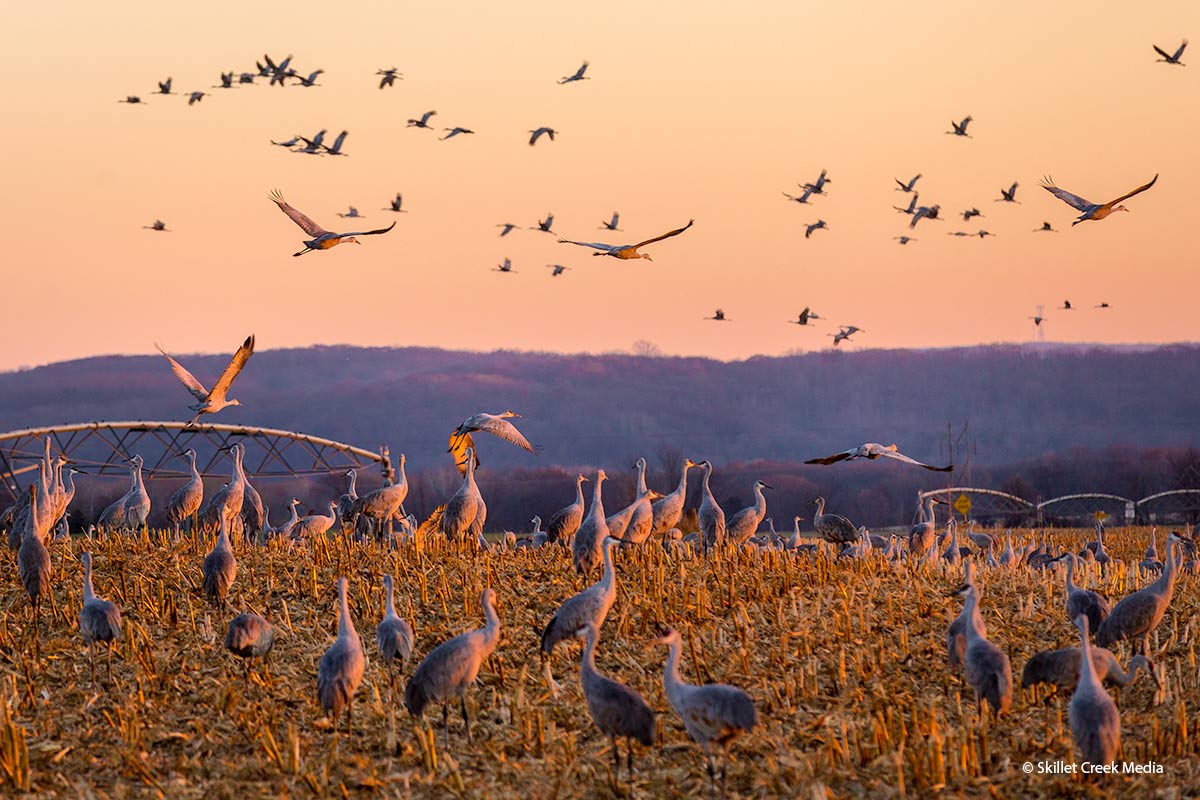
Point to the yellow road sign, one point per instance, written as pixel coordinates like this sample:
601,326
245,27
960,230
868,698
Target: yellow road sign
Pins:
1099,516
962,504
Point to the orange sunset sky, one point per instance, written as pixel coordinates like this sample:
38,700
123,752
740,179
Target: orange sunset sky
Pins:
695,110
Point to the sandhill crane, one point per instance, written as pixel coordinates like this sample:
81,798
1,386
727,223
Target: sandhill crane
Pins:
1171,59
310,81
803,317
668,509
618,521
346,501
818,186
712,713
465,512
1066,306
336,149
381,505
904,239
559,269
195,97
164,87
872,451
497,425
627,251
395,205
33,563
833,528
718,316
227,501
1009,195
587,607
971,212
1084,601
389,76
1089,210
1137,615
960,128
911,208
340,669
505,267
314,526
423,122
1046,228
986,666
566,521
137,502
589,539
544,224
1102,305
1008,558
226,81
220,567
507,226
923,535
816,226
907,187
1095,721
924,212
292,142
113,516
284,531
451,667
611,225
640,521
579,76
246,77
801,198
393,636
1037,320
322,239
744,524
452,132
709,516
537,133
278,72
158,225
980,539
1060,668
132,99
313,146
99,620
1150,563
952,553
186,500
249,636
210,401
956,633
351,214
616,709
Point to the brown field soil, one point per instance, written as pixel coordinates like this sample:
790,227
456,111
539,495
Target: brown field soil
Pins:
846,662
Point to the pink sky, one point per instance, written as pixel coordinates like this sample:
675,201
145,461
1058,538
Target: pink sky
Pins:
694,110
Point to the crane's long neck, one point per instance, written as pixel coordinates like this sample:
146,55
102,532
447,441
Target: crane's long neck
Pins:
1070,576
1122,678
589,651
681,489
491,627
404,477
295,514
672,683
88,592
608,579
134,472
141,486
389,608
641,481
971,612
195,472
1166,584
760,502
597,500
223,536
1087,670
345,624
707,472
353,490
820,508
69,484
579,492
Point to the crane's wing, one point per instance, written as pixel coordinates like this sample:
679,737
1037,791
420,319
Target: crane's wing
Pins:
368,233
234,367
459,443
836,457
1179,52
506,431
1072,200
337,143
186,378
593,245
898,456
306,224
1160,51
1138,190
666,235
901,184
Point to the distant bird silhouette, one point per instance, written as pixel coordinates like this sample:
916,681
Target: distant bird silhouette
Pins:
195,97
1102,304
395,205
507,226
455,131
210,401
718,315
907,187
336,149
904,239
611,225
1066,306
158,225
132,99
351,214
389,76
960,128
544,224
803,198
164,87
1045,227
1171,59
816,226
1038,320
423,122
982,234
322,239
924,212
872,451
803,317
559,269
1089,210
313,146
818,186
506,266
1008,195
911,208
627,251
226,81
292,142
536,133
578,76
971,212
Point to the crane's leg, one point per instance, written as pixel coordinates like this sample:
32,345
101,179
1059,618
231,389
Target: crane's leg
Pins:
712,772
466,718
616,761
92,660
724,767
629,764
109,667
350,716
446,723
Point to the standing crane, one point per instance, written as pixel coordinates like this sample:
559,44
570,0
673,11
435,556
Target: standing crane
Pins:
340,669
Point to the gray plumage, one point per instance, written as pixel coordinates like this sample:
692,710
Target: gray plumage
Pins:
1084,601
669,509
617,710
220,567
1138,614
249,637
226,502
137,502
451,667
566,521
1061,667
833,528
33,562
986,667
340,670
253,515
922,535
186,500
588,607
112,518
710,516
956,634
1095,721
315,526
712,713
618,522
381,504
592,531
393,636
99,620
465,511
744,524
346,501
